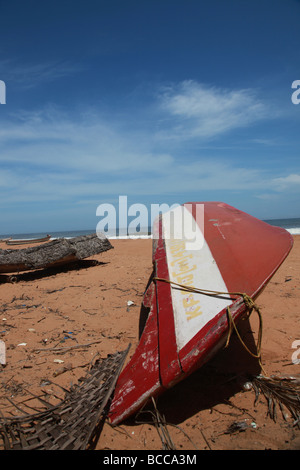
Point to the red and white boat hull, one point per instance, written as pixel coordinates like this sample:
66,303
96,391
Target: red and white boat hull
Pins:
210,246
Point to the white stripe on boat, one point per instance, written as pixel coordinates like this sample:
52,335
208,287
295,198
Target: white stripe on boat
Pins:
192,267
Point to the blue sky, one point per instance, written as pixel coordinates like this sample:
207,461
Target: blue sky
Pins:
164,101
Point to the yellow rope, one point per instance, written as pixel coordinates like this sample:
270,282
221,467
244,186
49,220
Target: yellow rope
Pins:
249,302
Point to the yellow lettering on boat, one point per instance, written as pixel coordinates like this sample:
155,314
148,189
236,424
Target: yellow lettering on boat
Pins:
184,270
183,273
194,313
179,257
189,302
186,279
192,307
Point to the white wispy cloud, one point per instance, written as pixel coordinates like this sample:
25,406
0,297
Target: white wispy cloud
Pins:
199,111
29,75
291,182
53,155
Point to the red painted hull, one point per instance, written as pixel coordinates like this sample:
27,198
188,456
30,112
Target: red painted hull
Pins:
246,253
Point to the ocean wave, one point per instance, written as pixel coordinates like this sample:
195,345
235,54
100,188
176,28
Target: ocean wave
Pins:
293,231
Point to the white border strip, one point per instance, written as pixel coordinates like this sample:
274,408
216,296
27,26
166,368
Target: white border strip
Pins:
192,267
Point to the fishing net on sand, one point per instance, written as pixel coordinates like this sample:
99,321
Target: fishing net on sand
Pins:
74,422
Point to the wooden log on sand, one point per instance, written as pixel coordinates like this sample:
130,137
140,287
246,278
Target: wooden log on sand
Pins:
56,252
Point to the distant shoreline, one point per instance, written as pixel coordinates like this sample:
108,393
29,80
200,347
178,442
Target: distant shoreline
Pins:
291,225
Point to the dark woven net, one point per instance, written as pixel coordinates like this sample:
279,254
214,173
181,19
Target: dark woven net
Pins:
74,422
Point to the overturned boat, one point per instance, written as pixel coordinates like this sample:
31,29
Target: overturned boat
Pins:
207,259
54,253
27,241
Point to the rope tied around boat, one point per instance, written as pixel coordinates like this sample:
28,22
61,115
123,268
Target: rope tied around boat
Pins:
278,390
250,306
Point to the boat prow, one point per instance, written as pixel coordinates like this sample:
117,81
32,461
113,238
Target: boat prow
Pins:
209,246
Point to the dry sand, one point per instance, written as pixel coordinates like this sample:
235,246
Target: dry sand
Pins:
88,304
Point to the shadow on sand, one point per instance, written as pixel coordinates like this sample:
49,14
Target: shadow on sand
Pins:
46,272
214,383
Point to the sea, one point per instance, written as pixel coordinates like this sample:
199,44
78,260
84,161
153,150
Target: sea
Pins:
291,225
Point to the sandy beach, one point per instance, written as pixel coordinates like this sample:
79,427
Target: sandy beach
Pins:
87,304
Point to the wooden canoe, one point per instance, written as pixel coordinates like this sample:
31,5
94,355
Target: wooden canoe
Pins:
12,241
236,253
